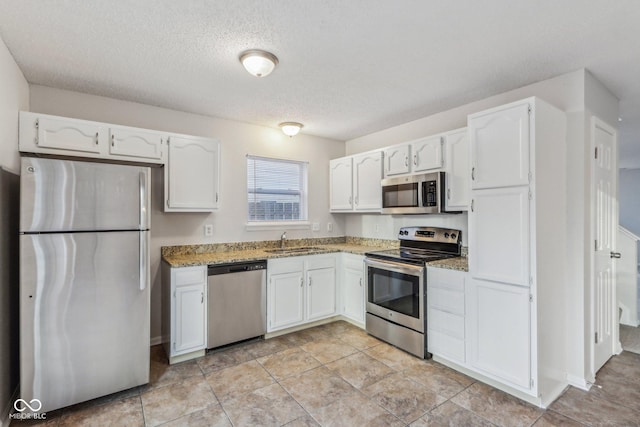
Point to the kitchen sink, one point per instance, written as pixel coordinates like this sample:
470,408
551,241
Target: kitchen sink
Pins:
293,250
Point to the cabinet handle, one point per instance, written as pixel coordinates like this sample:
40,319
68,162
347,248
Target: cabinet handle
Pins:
472,205
216,197
448,194
406,161
356,200
361,282
96,138
201,297
473,174
616,255
415,160
350,199
301,281
113,143
309,280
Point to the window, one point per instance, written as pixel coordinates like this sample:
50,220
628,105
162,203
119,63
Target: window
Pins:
276,190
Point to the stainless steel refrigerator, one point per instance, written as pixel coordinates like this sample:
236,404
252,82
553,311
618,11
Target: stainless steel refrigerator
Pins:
84,280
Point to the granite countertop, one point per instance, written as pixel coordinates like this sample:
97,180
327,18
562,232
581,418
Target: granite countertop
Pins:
223,253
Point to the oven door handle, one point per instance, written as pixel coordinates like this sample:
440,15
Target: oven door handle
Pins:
397,267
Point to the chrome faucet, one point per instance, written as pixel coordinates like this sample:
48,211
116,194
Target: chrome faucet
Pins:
283,239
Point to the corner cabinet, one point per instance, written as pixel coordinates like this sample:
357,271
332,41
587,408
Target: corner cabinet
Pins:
192,174
184,320
355,183
300,290
515,299
62,136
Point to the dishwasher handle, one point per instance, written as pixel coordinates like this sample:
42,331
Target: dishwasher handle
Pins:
240,267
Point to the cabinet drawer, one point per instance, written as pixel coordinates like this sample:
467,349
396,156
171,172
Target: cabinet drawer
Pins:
446,279
315,262
445,300
446,346
190,275
289,265
446,323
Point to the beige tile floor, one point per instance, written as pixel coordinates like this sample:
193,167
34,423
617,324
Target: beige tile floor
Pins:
337,375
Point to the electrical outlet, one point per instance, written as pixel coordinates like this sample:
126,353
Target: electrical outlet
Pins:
208,230
329,227
376,228
315,226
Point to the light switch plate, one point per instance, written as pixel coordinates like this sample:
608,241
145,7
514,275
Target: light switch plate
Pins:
315,226
208,230
329,227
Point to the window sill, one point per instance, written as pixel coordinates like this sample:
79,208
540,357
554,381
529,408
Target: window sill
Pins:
280,225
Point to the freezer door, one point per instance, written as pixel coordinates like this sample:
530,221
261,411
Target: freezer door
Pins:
64,195
84,315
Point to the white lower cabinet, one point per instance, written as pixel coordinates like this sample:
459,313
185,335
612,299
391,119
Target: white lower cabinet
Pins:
446,313
184,311
300,290
352,286
500,332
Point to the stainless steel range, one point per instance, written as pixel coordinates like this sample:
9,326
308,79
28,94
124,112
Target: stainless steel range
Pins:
396,285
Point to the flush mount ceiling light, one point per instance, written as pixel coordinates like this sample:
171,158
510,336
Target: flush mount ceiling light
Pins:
291,128
258,62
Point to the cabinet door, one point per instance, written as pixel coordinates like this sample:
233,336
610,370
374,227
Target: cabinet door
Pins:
69,135
286,300
340,185
192,174
136,143
353,293
396,160
367,174
321,293
500,147
500,336
190,318
458,185
427,154
499,235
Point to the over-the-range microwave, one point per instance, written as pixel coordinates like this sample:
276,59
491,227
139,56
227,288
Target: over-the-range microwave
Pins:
414,194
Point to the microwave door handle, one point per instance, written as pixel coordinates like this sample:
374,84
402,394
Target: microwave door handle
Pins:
421,185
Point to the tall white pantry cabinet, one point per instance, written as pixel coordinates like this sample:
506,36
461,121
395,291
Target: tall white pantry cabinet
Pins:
515,298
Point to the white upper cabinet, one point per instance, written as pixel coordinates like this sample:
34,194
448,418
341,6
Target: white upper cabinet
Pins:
396,159
367,173
426,154
355,183
500,147
44,134
192,174
341,184
136,143
458,184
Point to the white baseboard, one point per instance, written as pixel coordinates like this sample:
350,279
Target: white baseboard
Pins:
579,382
157,340
4,416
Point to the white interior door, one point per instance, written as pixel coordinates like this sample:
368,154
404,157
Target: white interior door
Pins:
605,321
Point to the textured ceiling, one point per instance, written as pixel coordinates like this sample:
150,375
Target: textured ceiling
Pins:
347,67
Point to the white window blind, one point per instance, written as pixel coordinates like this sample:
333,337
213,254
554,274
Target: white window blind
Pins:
276,190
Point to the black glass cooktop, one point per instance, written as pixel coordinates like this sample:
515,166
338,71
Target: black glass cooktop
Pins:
409,255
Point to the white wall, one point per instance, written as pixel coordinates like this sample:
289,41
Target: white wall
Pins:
14,96
237,140
629,198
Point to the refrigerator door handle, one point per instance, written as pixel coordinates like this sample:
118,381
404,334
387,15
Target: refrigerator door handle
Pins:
143,260
143,201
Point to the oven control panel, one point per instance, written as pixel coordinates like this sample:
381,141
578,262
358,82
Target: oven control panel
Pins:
430,234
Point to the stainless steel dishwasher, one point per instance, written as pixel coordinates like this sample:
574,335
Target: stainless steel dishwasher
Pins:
236,302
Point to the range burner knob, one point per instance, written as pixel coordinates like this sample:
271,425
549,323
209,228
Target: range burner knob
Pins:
446,235
453,235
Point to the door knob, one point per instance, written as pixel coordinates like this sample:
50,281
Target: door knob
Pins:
616,255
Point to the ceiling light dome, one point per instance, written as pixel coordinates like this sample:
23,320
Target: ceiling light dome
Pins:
258,62
291,128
